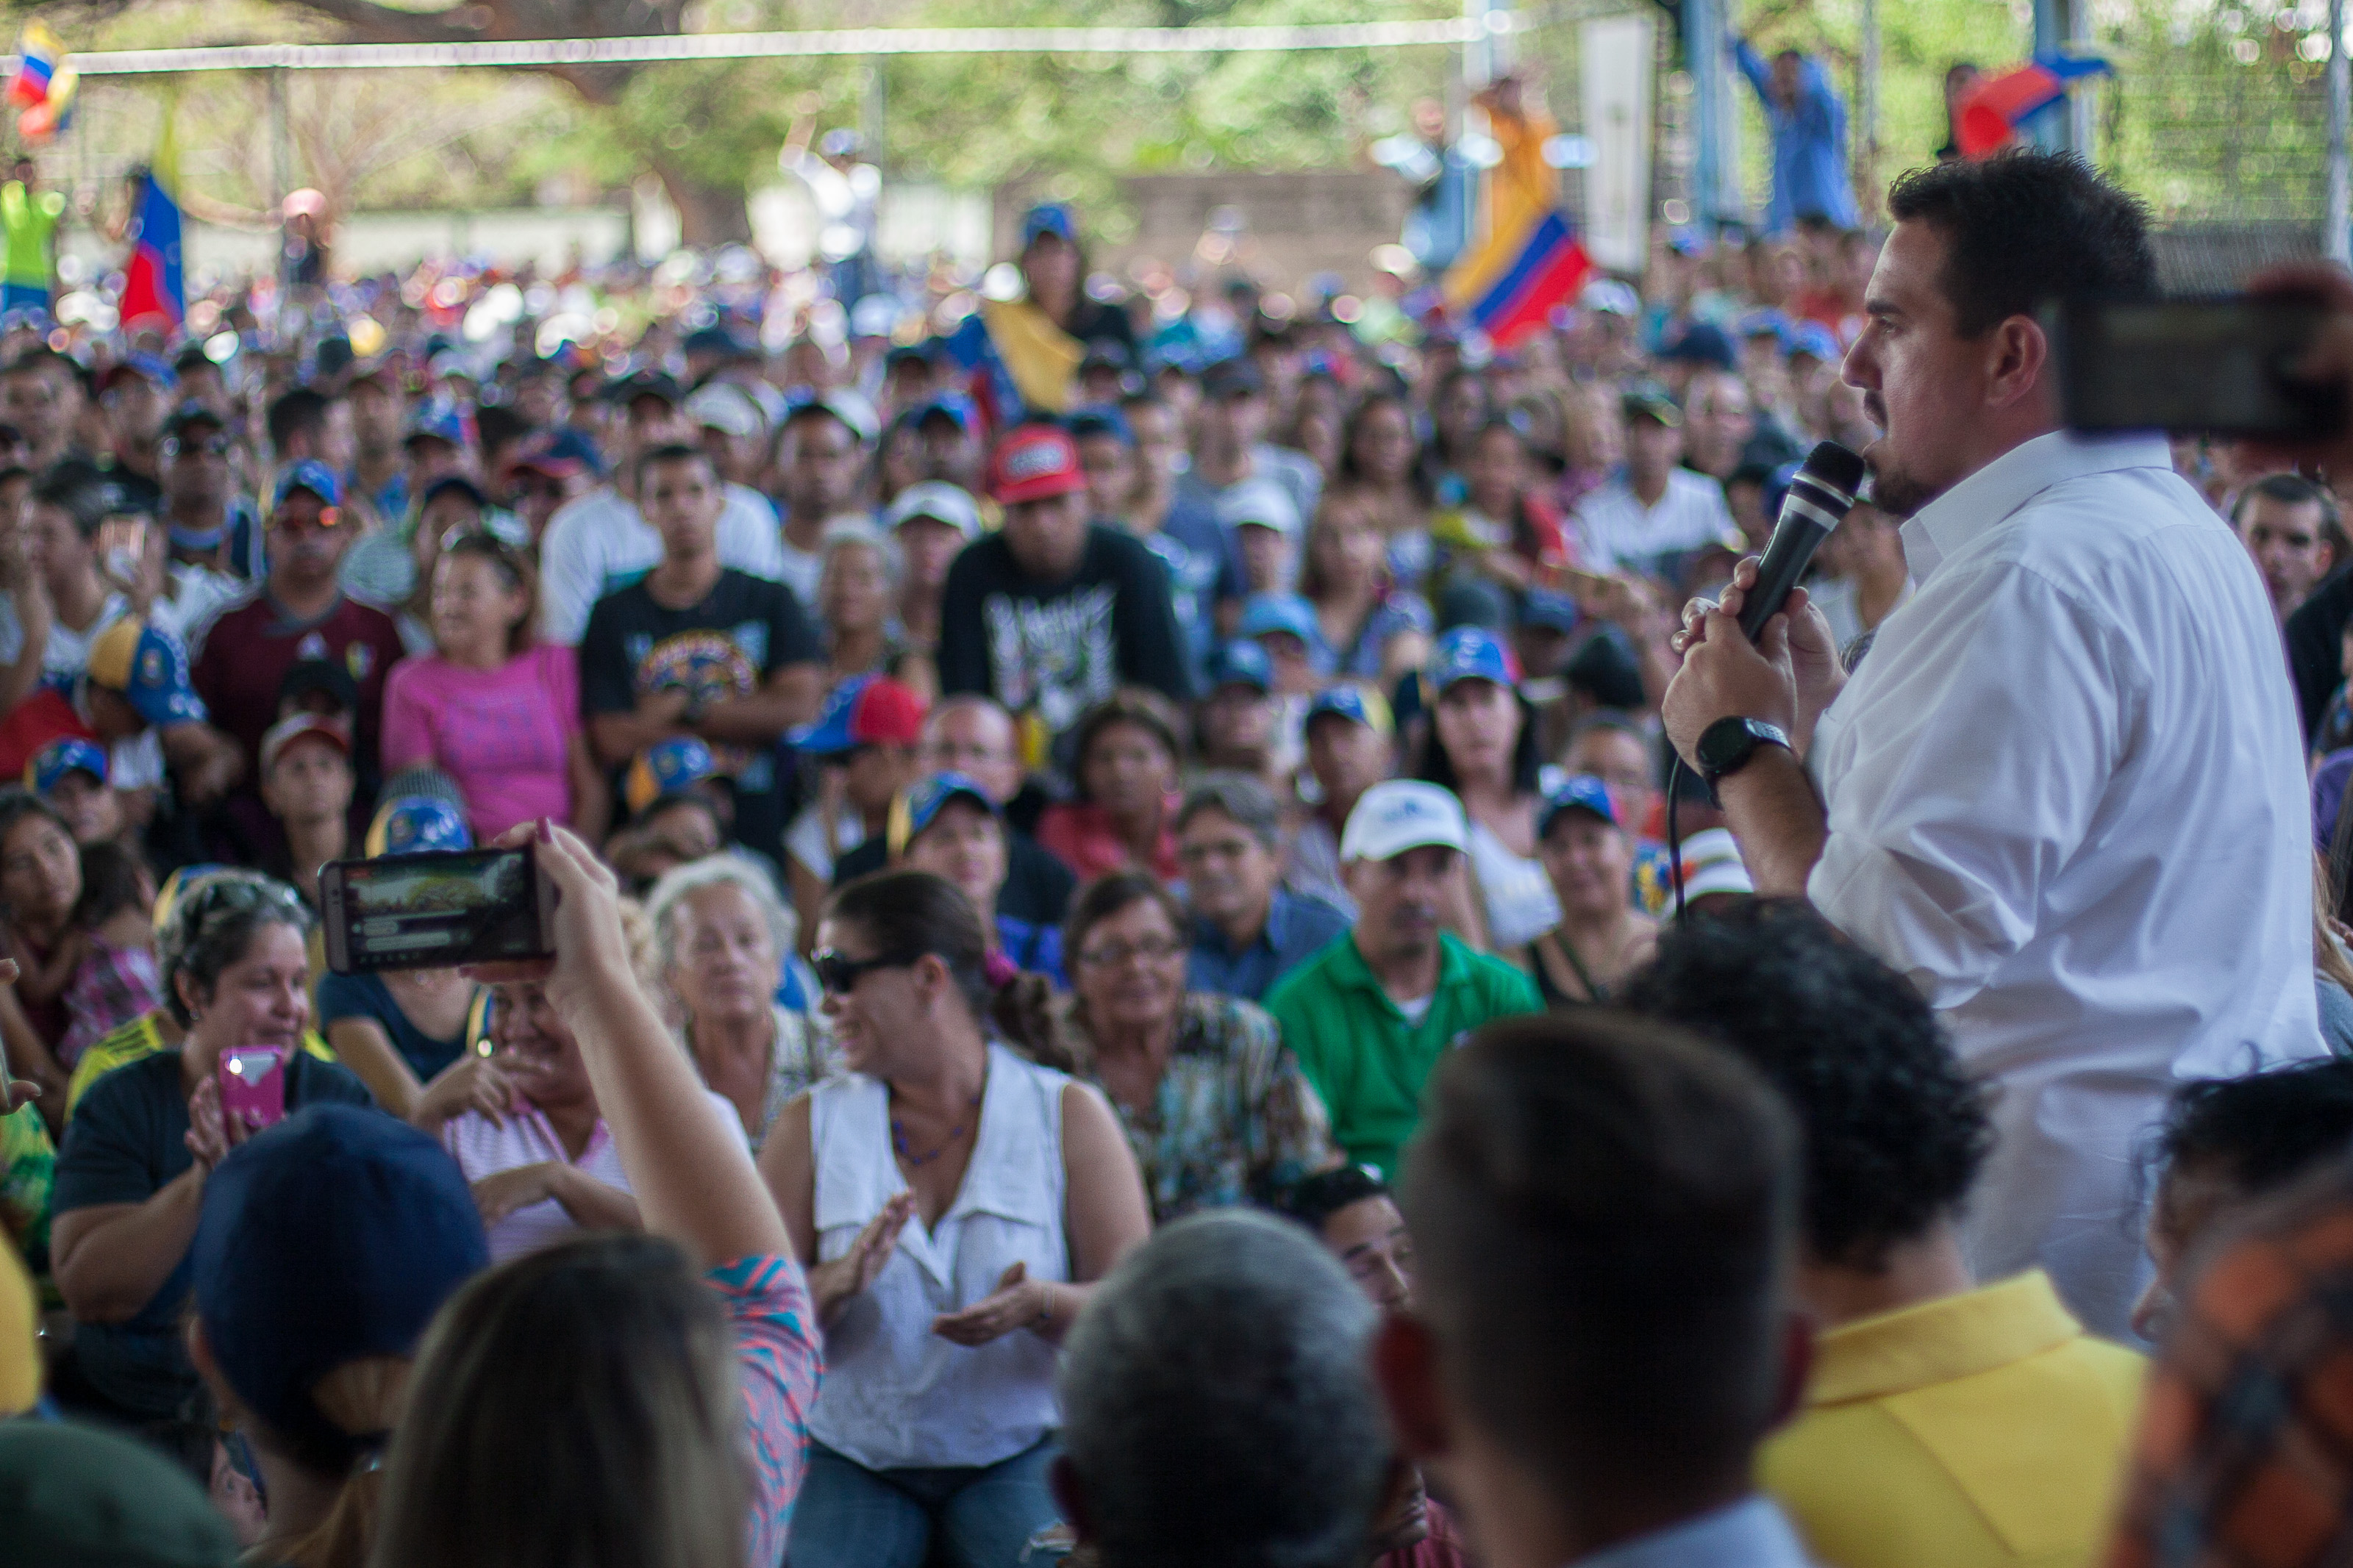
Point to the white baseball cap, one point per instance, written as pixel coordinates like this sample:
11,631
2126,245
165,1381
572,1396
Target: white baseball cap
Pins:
1399,814
1259,503
724,406
937,500
1712,864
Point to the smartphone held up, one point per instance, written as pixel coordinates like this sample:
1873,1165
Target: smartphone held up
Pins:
437,911
2222,365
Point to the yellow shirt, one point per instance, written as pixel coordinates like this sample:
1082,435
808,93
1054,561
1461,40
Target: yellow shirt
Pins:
1979,1429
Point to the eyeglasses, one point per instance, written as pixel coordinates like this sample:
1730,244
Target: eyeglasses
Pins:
1152,950
841,976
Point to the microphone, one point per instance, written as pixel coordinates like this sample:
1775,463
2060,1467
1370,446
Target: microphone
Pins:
1818,500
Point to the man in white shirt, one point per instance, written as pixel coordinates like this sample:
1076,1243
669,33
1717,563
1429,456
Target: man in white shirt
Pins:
600,542
820,463
2066,793
1656,514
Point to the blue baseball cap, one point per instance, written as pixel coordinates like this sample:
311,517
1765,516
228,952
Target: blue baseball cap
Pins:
329,1238
667,769
1266,613
1703,343
1468,653
1354,704
920,806
1047,217
437,422
148,667
1815,338
1549,607
1766,323
53,761
148,365
1103,419
953,405
1582,793
311,475
1242,663
417,824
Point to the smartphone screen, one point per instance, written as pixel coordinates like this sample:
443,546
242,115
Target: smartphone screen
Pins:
122,548
431,911
2219,365
253,1087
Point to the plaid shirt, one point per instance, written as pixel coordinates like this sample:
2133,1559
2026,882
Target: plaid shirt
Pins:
112,986
2245,1453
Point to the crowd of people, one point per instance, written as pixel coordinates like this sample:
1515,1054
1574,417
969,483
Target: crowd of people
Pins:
1133,979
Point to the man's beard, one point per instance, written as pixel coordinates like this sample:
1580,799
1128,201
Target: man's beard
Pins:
1895,492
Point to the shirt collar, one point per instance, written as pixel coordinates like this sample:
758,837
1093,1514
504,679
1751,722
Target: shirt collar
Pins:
1751,1532
1205,932
1941,1341
1351,970
1988,497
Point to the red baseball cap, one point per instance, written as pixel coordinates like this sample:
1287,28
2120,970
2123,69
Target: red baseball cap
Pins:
864,711
1033,462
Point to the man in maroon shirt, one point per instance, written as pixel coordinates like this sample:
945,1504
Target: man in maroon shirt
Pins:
299,613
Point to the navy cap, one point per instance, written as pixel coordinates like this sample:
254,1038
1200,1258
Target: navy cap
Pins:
1354,704
645,383
458,482
1242,663
1103,419
1047,217
331,1238
1236,377
1703,343
1549,607
921,806
1582,793
1470,653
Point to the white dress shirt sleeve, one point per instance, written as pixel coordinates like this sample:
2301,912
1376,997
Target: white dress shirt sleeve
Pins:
1983,769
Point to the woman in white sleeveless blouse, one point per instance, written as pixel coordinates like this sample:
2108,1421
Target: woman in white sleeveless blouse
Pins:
960,1201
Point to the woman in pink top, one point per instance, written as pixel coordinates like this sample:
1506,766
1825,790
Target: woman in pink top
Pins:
491,706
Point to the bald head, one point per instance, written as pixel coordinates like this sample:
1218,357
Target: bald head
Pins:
973,736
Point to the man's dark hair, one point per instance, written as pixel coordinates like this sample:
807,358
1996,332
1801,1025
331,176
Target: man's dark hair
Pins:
2026,226
675,452
2262,1131
1314,1199
1602,1209
77,490
33,361
1894,1132
301,412
2295,489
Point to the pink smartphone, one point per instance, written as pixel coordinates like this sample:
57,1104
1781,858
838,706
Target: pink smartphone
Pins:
253,1087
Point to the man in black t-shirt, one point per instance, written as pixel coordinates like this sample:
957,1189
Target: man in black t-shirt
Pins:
1052,613
696,648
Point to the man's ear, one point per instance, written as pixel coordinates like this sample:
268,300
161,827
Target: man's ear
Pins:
2018,356
1405,1365
1070,1497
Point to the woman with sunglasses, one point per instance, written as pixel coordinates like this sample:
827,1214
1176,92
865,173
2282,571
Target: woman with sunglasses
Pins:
937,1412
491,706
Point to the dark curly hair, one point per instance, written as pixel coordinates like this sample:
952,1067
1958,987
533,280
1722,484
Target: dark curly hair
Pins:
1894,1130
2261,1131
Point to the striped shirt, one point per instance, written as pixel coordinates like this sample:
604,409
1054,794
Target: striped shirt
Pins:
778,1365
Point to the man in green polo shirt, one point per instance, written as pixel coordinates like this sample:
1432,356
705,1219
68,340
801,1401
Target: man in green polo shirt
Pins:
1369,1016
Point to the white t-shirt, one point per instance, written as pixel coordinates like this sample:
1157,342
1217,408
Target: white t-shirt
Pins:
1618,534
599,544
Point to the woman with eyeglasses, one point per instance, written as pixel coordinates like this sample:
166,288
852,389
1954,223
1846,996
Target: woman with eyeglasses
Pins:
491,706
937,1412
1215,1110
145,1138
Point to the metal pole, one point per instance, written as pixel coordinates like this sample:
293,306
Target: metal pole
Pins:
2337,243
1866,110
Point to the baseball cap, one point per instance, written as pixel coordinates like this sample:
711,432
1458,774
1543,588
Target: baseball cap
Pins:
644,383
1581,792
1047,217
1766,323
1399,814
458,482
72,1495
149,666
189,414
855,413
1263,614
1032,463
939,500
437,422
714,339
1816,339
1703,343
919,807
286,732
1354,704
417,824
331,1238
667,768
1549,607
1101,419
1242,663
311,475
561,453
1712,864
52,763
165,378
1259,503
1647,400
1235,377
325,676
1468,653
864,711
1609,297
724,406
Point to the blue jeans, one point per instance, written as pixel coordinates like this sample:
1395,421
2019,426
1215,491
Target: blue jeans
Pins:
850,1517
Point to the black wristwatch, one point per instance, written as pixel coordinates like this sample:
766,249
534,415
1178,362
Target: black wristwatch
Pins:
1726,746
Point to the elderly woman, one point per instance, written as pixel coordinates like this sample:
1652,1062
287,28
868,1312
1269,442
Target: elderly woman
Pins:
722,935
1588,857
947,824
544,1168
937,1412
1216,1108
146,1137
1125,814
857,596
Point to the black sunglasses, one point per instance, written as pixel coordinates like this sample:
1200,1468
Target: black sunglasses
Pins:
838,974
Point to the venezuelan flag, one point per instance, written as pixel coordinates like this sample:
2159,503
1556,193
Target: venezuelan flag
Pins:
1530,259
154,296
39,55
1993,111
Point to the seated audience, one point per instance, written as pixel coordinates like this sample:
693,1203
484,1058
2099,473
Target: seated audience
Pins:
1369,1017
1247,930
1237,724
948,824
929,523
1945,1422
115,982
70,776
684,1361
723,938
324,1246
145,1138
1125,754
863,744
938,1413
1588,857
1373,629
1482,746
1604,1214
1215,1108
306,783
1218,1406
857,602
1351,746
40,883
